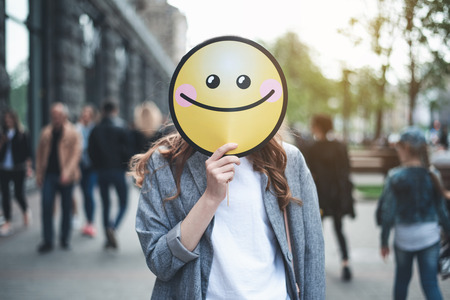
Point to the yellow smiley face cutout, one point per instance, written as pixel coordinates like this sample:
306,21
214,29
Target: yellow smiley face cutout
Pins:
228,90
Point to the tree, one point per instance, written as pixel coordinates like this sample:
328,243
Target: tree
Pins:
366,90
427,33
308,90
425,30
382,32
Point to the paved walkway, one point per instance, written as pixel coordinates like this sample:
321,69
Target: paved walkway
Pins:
88,272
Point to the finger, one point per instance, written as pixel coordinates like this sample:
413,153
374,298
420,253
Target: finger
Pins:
222,150
225,164
226,160
225,177
224,169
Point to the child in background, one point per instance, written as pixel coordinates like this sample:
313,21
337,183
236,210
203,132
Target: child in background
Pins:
413,204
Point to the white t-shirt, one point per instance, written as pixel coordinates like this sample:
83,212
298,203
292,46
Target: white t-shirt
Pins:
8,162
247,262
416,236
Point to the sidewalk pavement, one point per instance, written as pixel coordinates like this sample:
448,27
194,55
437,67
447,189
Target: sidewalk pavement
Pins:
88,272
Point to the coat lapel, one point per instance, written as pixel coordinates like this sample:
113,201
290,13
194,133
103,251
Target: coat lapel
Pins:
275,216
197,169
196,166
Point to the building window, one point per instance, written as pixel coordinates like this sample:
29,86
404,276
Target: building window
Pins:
89,59
17,54
91,41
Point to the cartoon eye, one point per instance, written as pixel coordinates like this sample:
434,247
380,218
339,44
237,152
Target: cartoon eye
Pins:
243,82
212,81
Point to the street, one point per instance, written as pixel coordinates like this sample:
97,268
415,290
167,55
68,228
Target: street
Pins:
87,271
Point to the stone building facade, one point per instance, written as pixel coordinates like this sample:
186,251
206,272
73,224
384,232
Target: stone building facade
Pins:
166,23
84,51
4,78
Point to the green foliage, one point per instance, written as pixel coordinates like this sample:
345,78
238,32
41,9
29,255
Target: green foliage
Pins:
18,97
370,191
434,17
365,87
18,102
308,90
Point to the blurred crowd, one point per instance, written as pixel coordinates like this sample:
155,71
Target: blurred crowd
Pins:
92,152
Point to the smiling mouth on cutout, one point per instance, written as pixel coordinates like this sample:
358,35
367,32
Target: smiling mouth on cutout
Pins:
228,109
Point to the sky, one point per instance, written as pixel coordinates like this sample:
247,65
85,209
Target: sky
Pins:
315,21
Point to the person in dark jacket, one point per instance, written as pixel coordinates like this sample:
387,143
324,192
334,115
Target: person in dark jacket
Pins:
15,165
329,164
109,150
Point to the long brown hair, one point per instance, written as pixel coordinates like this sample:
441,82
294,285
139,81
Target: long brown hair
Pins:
271,160
15,118
421,152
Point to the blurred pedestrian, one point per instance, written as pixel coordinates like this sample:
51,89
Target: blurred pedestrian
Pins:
434,133
147,126
199,247
413,204
88,175
329,164
57,170
109,150
15,165
443,137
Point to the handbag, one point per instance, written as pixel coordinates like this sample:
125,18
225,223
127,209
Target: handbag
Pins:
444,258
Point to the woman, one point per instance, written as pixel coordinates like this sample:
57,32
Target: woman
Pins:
147,126
201,248
329,164
15,164
88,180
412,203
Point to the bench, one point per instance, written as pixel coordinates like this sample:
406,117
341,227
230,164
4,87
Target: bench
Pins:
376,160
444,168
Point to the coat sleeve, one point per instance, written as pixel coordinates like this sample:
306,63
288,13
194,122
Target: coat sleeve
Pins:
92,147
441,206
314,256
442,211
160,240
75,155
387,210
27,148
40,168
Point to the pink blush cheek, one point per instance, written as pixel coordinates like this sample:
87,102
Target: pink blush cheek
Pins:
187,90
267,86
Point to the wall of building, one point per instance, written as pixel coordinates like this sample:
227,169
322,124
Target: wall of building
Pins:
127,49
166,23
84,51
4,79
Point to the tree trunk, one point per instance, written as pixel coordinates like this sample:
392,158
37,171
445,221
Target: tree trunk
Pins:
414,84
381,102
379,123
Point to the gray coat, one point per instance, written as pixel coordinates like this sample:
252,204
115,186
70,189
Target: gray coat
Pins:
182,274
